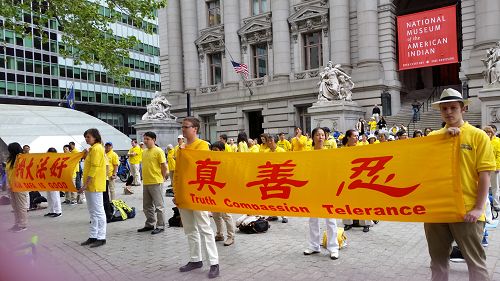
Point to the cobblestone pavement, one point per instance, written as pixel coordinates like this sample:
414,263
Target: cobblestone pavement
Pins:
390,251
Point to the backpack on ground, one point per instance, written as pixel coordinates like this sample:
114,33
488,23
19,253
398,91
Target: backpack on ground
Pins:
252,224
121,211
175,220
341,238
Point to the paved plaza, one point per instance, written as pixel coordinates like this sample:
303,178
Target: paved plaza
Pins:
390,251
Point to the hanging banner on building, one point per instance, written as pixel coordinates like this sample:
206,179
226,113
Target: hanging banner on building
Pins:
45,172
427,38
413,180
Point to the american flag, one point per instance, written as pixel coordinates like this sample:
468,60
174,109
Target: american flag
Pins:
240,68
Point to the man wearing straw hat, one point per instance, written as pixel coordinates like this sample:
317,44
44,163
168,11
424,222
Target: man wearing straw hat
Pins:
476,161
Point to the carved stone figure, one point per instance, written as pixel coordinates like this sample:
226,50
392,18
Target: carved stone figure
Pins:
492,63
159,109
334,84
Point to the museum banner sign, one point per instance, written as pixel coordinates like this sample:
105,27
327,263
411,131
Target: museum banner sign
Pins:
427,38
414,180
44,172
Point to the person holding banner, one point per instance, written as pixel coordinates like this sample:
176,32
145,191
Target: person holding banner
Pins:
197,223
53,199
70,197
94,184
273,147
80,198
351,139
331,224
476,161
19,200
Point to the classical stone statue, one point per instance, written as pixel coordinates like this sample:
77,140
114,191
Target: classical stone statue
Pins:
334,84
492,63
159,109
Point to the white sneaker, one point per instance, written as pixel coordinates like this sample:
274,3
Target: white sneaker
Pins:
308,252
334,255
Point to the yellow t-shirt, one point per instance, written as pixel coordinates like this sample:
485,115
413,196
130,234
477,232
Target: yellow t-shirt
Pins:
286,145
234,147
373,125
363,143
476,155
278,149
330,143
495,143
95,167
227,148
263,147
309,144
77,169
138,157
300,144
254,148
113,161
152,160
171,160
242,147
198,144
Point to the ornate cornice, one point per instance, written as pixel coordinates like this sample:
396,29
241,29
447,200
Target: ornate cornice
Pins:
256,29
210,41
310,17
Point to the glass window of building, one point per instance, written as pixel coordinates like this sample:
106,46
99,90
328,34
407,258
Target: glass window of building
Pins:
215,71
313,51
213,8
259,60
259,7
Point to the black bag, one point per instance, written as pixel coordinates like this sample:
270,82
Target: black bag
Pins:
175,220
117,207
257,226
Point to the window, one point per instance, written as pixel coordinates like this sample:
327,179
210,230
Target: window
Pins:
313,52
259,7
215,71
259,60
213,13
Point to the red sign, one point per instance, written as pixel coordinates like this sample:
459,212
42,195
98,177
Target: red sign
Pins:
427,38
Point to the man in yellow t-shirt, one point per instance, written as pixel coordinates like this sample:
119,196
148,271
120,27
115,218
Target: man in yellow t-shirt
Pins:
309,143
112,169
80,197
330,142
272,147
171,162
373,125
476,162
495,144
284,143
135,158
299,142
252,146
154,173
196,224
223,139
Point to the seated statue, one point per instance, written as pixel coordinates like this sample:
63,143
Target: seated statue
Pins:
334,84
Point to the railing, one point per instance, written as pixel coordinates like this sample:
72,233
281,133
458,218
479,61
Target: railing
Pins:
436,92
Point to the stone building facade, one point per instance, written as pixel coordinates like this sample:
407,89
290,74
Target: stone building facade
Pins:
286,43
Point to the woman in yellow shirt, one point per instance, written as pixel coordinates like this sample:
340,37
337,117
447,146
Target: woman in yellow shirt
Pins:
242,142
351,139
332,246
94,184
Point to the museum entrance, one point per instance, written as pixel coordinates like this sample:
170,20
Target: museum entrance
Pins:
255,120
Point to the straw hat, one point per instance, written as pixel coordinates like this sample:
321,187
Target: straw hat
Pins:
449,95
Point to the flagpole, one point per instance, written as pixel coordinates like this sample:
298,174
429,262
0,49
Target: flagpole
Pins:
64,99
241,74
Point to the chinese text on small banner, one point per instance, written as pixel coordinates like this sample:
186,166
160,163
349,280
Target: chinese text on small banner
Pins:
45,172
413,180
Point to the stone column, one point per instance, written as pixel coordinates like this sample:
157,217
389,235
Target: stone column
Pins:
340,41
368,46
487,19
232,41
189,35
281,39
174,42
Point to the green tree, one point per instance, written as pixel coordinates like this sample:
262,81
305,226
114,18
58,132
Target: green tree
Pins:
86,26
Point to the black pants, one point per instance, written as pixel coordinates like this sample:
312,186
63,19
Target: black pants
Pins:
108,209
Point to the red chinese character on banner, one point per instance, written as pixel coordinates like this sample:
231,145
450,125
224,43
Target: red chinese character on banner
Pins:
58,166
205,175
23,171
276,182
365,165
41,168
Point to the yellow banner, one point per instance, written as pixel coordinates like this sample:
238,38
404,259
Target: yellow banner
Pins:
413,180
45,172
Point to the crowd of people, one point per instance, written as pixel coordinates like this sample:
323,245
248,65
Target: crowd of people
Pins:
151,167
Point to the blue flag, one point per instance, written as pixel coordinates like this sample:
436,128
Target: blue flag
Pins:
70,99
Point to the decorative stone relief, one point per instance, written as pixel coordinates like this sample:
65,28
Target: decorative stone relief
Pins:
256,29
308,17
210,41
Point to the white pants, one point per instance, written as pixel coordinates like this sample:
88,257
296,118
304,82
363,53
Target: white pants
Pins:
54,202
315,236
197,225
97,215
494,188
136,173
